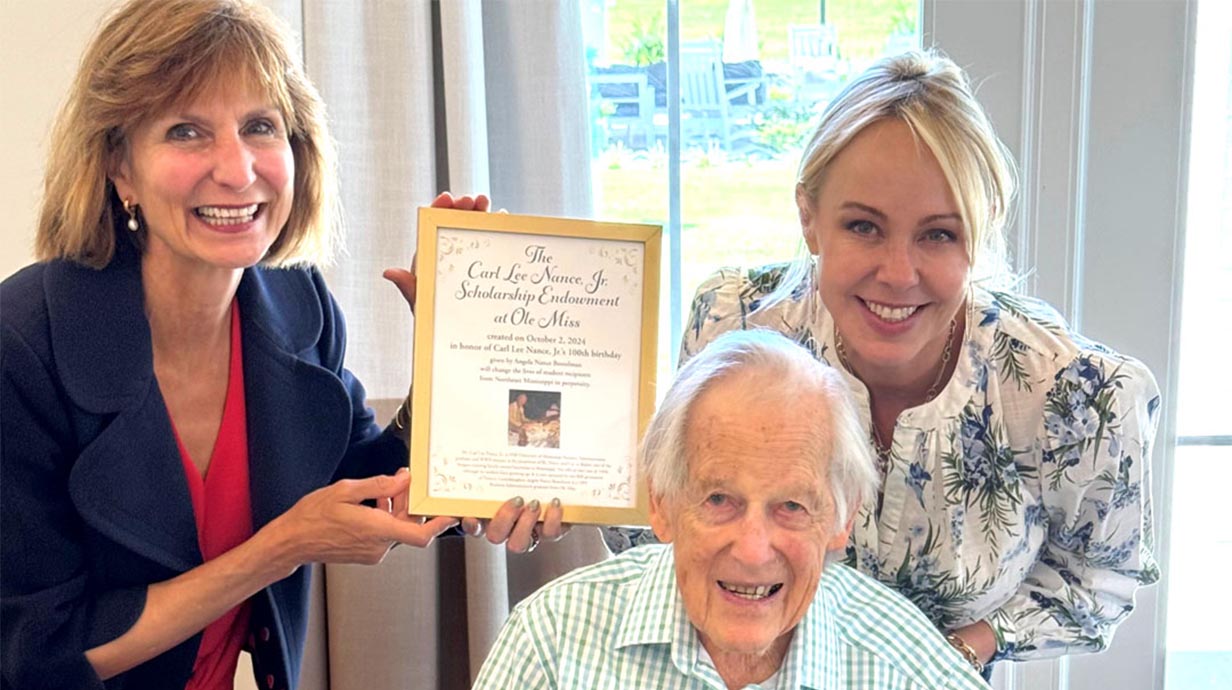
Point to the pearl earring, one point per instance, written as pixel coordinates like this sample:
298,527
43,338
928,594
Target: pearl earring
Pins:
131,209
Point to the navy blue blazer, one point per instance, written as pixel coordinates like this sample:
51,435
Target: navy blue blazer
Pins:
95,501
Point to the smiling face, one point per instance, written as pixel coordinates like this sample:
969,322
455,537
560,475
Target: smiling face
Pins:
892,244
751,527
213,179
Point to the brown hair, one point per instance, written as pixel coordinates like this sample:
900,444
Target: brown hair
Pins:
149,56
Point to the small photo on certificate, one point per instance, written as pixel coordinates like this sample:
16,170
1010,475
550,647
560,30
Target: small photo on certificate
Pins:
538,428
535,343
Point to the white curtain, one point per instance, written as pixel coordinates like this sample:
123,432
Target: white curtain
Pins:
463,95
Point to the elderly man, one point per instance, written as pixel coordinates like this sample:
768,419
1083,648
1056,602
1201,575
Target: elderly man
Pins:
756,462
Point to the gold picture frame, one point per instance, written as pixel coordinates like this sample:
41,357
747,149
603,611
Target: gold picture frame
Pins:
534,365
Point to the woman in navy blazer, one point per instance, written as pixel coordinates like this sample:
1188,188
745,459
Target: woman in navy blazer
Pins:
189,191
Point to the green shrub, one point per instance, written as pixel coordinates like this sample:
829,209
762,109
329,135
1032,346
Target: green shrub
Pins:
644,46
782,124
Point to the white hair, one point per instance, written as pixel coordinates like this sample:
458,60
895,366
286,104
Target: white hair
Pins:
788,372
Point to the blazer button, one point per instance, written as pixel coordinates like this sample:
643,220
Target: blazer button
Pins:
269,681
265,634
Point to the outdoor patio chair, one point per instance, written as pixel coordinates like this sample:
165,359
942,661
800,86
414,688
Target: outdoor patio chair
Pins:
628,101
813,50
706,103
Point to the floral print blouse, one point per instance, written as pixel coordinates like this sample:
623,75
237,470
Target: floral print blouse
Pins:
1020,494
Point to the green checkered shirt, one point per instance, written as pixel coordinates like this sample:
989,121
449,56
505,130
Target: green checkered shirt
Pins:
622,624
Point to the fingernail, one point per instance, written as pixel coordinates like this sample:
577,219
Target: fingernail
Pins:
403,469
518,502
534,506
555,502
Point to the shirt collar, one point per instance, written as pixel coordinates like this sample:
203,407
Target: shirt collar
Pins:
656,616
815,657
657,608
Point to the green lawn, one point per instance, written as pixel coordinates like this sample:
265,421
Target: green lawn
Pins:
734,213
862,25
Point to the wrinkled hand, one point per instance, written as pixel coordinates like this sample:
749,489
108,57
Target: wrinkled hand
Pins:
404,279
331,525
517,524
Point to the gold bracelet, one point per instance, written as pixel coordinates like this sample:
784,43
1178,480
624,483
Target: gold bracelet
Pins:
966,650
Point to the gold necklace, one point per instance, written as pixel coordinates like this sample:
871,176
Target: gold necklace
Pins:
883,449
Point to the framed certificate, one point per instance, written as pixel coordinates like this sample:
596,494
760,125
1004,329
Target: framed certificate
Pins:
535,342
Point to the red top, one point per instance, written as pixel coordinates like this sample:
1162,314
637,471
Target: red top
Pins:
224,520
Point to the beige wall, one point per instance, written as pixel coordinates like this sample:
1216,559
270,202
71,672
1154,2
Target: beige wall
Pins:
40,44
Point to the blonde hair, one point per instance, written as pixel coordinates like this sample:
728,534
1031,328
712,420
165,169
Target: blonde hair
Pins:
932,95
148,56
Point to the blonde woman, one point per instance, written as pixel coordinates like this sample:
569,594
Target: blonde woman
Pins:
1013,452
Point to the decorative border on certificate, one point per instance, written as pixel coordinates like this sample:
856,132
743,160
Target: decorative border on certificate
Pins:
535,342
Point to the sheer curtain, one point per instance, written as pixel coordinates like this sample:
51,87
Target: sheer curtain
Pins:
470,96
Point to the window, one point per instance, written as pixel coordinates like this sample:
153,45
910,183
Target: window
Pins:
753,77
1199,643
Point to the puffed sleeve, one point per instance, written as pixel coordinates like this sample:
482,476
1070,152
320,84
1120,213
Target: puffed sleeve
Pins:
1095,443
726,301
371,450
50,617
